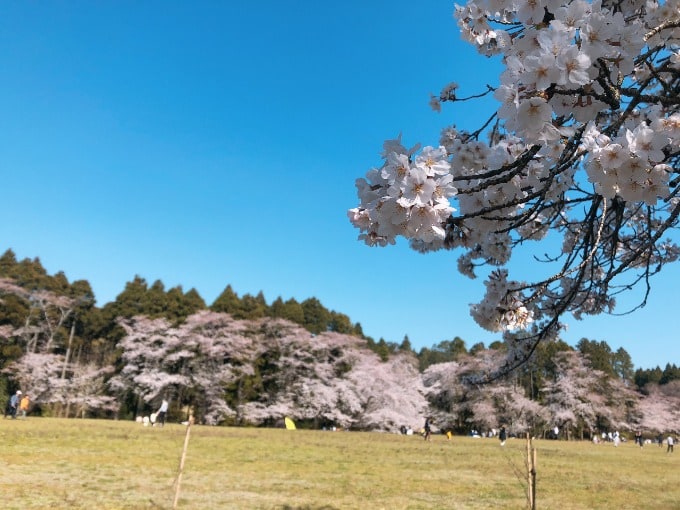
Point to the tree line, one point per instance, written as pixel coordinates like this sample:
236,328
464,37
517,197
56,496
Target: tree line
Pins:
241,360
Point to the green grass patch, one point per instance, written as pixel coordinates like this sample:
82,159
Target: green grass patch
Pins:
51,463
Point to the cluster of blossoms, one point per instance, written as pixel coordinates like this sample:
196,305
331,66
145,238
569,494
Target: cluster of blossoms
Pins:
585,142
501,309
408,196
632,164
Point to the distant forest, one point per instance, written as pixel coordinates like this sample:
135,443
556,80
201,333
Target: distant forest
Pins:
81,359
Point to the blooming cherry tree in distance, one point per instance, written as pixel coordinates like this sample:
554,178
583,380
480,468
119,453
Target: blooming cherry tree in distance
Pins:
584,146
484,407
661,407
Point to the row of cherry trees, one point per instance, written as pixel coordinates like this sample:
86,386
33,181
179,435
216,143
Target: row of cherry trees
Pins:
230,371
256,372
51,326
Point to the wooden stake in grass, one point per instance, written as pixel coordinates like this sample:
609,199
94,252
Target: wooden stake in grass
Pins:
531,474
181,462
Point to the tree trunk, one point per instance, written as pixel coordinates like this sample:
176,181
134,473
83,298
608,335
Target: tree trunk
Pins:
68,349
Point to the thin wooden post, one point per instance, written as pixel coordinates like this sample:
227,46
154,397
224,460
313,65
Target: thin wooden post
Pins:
531,474
181,462
533,478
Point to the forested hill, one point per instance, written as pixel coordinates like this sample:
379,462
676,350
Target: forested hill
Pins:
242,360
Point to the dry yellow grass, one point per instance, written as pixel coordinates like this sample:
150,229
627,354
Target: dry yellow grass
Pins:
55,464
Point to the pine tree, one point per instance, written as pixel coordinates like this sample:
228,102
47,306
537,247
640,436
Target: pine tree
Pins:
227,302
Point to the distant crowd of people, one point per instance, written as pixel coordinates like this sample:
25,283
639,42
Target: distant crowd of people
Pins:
502,434
19,405
614,437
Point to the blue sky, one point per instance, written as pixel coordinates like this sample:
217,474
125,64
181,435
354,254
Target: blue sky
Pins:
215,143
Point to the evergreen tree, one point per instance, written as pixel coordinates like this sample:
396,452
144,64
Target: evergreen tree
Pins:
406,345
277,308
227,302
13,310
8,262
340,323
670,373
193,302
293,312
180,305
382,349
643,377
446,350
156,301
27,273
130,302
478,347
82,291
598,353
317,317
541,368
252,307
623,364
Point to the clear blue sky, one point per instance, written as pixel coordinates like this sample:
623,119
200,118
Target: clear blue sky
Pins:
215,143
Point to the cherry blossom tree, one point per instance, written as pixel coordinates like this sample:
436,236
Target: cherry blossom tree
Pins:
47,314
572,398
192,362
392,392
660,408
444,389
333,379
585,144
39,375
310,382
84,391
461,404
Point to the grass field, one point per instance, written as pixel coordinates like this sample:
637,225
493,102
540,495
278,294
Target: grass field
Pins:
52,464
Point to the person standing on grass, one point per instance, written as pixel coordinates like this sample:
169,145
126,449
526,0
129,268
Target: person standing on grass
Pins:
13,405
670,442
162,412
428,429
23,406
503,436
638,437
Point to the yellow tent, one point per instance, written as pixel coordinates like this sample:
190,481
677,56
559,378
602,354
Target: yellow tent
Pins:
290,424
